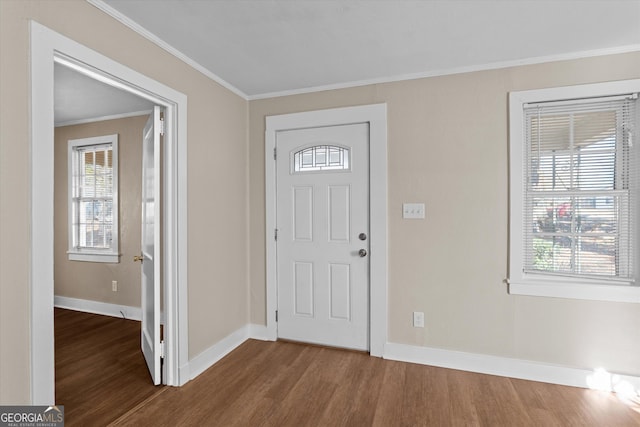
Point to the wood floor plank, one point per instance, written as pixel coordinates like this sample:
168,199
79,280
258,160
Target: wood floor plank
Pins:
356,392
388,411
102,379
549,406
426,396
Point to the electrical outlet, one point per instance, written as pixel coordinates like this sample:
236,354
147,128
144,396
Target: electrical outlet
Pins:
114,285
418,319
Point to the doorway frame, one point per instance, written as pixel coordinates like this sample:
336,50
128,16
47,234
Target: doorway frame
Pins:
48,47
376,116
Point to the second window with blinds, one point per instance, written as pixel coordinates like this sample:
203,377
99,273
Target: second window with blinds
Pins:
93,199
574,192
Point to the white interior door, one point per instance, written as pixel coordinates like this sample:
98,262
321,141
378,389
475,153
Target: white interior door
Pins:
322,242
151,345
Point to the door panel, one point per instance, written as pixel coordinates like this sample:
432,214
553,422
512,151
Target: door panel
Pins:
150,335
322,206
303,213
340,287
339,213
303,277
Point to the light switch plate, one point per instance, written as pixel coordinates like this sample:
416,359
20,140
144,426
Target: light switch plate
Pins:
413,210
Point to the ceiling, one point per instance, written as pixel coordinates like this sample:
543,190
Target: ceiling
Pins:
80,99
263,48
267,47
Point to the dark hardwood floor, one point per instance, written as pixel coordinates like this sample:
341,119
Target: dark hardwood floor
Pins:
100,370
102,380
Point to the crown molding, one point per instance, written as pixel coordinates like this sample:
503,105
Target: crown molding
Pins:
454,70
103,118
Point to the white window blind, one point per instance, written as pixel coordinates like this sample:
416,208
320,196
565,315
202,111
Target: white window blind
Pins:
580,189
93,199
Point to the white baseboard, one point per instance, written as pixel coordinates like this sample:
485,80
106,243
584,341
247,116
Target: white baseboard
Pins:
96,307
507,367
213,354
210,356
184,374
260,332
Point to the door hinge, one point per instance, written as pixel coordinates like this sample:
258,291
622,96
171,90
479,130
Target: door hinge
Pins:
276,315
275,154
162,350
161,126
275,234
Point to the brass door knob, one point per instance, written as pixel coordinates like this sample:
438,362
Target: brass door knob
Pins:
138,258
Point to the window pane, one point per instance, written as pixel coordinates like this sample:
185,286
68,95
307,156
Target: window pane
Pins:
334,156
551,172
108,185
552,214
552,254
321,158
574,150
597,255
594,126
549,132
597,214
576,234
596,171
307,158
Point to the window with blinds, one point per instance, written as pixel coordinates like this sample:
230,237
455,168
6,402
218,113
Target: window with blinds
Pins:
93,212
579,202
574,192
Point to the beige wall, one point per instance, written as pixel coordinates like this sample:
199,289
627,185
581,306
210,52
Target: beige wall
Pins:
217,178
448,148
92,280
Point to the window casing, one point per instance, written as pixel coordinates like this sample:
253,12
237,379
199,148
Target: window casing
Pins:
93,199
574,192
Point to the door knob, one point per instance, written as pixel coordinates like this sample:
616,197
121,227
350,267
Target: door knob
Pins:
138,258
362,253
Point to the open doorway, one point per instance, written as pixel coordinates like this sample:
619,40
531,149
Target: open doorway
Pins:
99,210
98,146
47,48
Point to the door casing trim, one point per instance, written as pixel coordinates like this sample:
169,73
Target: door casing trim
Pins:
47,47
376,116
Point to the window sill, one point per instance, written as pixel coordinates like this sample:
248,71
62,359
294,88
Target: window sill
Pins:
593,292
94,257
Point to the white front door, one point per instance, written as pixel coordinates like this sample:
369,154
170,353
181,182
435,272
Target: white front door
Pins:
150,247
323,235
